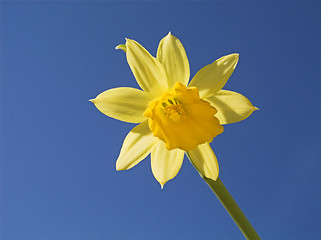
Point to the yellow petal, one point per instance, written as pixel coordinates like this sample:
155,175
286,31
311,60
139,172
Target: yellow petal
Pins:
205,161
125,104
137,145
211,78
165,164
172,56
121,46
231,106
148,71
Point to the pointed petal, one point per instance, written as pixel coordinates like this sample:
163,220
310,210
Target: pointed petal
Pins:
172,56
231,106
121,46
212,78
205,161
166,163
148,71
125,104
137,145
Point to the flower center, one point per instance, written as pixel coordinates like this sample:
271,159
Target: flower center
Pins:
173,109
182,119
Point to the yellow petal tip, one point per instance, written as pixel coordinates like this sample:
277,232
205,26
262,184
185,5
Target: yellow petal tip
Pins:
92,100
236,55
121,47
256,108
118,168
162,186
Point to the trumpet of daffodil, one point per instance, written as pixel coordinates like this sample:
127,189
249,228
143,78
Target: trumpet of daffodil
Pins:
174,115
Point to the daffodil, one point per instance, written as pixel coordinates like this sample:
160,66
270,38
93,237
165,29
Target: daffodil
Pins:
174,115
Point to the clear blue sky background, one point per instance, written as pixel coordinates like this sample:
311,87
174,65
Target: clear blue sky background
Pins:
58,152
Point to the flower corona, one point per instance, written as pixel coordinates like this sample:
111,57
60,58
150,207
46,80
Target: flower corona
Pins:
181,119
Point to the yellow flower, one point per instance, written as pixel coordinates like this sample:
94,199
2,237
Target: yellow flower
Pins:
174,116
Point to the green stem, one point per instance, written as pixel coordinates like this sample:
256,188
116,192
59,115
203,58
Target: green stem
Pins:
231,206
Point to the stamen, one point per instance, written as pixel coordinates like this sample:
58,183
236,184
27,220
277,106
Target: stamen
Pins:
173,109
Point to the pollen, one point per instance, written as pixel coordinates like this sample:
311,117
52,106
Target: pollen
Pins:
182,119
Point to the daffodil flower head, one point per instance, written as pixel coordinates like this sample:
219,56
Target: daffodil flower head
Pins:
174,117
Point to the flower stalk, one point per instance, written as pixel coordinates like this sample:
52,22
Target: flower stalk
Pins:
231,206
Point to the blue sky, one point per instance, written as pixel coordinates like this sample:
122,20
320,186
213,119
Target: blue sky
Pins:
58,152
